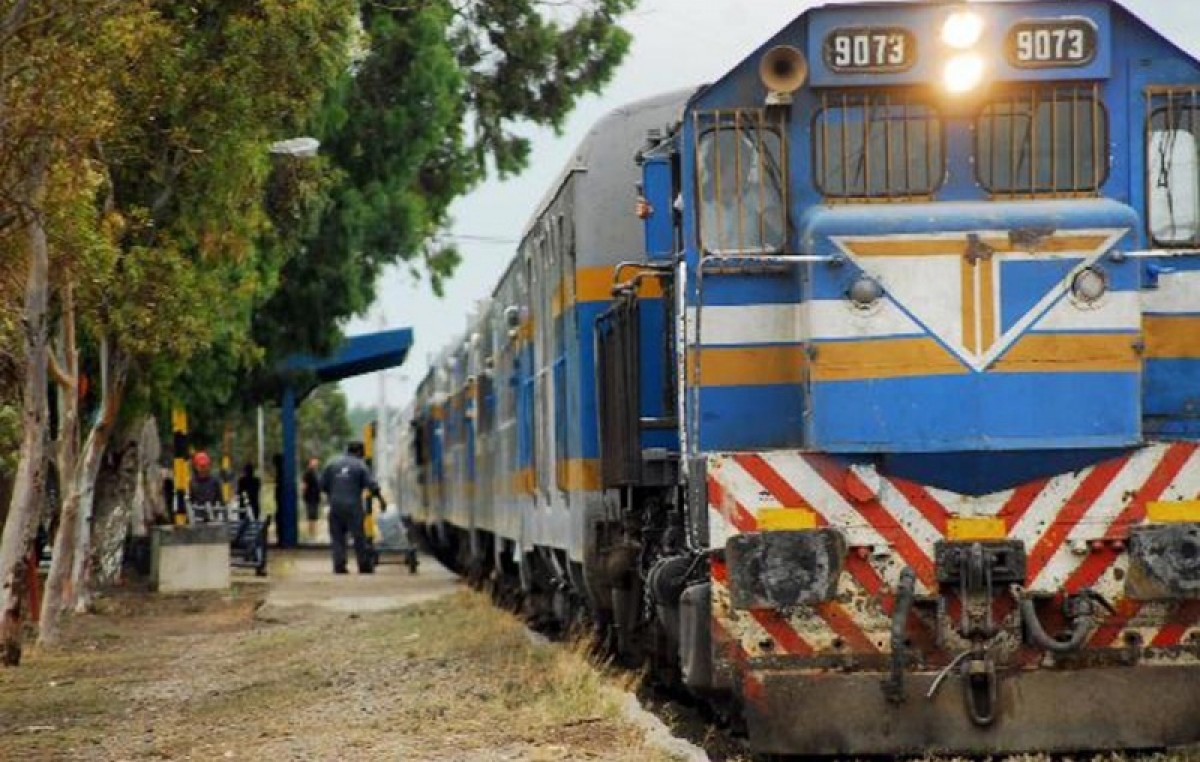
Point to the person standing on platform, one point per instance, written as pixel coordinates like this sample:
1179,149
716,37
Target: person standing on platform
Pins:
310,492
204,489
249,488
344,481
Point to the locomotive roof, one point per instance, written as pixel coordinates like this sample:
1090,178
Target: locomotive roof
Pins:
1180,39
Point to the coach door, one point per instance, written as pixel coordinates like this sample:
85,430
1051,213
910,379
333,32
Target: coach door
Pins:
544,343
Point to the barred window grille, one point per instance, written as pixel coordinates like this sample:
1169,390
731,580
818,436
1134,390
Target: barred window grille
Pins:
877,146
1173,167
741,171
1043,141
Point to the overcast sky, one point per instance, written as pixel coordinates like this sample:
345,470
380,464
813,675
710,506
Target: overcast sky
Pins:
676,43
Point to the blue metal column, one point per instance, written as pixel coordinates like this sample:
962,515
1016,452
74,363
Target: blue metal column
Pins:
285,515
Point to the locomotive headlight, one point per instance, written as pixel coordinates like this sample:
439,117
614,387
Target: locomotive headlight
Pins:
1089,285
865,292
964,72
962,29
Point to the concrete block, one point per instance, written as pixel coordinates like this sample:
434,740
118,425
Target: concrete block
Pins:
190,558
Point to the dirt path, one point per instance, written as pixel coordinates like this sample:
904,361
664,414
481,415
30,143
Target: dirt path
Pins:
303,578
386,667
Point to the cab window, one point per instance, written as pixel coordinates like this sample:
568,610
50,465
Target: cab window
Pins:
1173,170
741,178
1043,141
877,146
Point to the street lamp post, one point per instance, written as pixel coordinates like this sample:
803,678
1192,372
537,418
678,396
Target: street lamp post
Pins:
286,519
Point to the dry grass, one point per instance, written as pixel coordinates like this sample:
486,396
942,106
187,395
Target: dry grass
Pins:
203,679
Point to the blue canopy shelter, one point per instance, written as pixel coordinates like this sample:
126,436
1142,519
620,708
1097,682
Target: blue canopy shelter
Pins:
357,355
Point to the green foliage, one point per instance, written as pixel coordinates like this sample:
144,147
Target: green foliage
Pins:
202,205
323,424
525,64
322,429
199,259
10,439
430,106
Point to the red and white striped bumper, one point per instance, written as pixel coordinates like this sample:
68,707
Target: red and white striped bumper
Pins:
1074,528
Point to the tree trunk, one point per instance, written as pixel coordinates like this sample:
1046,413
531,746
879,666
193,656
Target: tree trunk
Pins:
20,527
148,506
114,367
59,594
115,488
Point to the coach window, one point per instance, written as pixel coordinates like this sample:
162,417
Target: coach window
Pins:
877,146
1173,195
742,186
1043,141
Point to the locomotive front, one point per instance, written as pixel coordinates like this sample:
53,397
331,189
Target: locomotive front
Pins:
936,342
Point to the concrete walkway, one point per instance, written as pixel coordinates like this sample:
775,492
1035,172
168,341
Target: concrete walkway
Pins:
305,578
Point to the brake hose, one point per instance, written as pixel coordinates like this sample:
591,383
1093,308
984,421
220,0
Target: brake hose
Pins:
1081,627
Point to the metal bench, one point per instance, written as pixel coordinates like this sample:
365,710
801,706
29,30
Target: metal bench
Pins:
247,535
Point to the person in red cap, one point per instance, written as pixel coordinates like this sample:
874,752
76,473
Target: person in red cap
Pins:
205,488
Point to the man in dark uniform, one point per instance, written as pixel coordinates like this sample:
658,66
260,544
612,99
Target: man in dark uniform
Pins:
344,481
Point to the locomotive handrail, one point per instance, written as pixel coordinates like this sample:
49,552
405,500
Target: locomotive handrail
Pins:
1154,253
772,259
653,269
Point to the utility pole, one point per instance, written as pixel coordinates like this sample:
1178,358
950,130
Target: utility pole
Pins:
262,444
383,427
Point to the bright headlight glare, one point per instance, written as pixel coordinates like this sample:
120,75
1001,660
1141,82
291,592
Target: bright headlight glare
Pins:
964,73
962,29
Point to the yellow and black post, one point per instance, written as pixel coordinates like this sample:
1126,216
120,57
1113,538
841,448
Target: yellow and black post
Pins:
227,475
370,529
369,444
179,427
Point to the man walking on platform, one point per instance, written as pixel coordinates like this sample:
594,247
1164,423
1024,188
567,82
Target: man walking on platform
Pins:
344,481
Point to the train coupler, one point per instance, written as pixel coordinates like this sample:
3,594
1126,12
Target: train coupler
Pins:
979,570
980,688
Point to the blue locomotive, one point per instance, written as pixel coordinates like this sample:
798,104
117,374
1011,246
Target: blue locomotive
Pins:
874,409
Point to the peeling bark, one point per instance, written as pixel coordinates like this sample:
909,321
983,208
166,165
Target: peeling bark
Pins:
114,369
59,594
24,508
